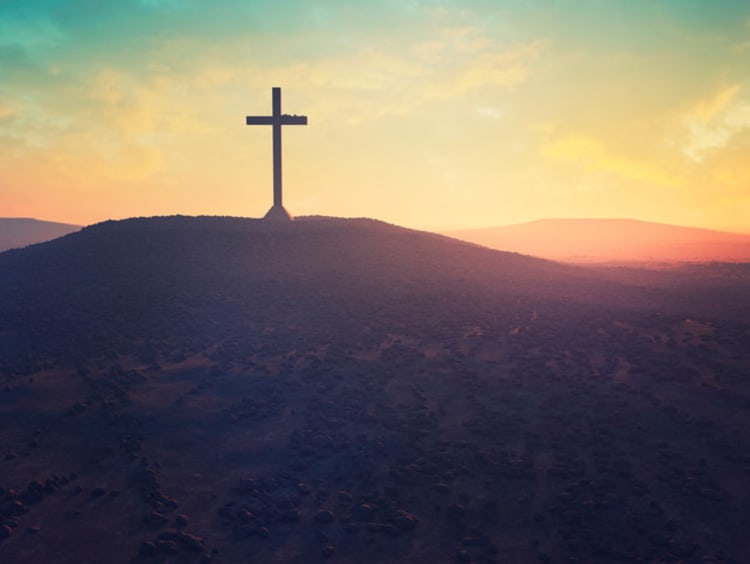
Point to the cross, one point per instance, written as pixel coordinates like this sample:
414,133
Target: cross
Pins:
277,119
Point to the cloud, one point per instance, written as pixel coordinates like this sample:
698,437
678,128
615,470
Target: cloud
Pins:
591,156
706,110
714,123
490,112
30,35
8,108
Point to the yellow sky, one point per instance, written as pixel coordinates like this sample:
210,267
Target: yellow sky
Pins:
434,115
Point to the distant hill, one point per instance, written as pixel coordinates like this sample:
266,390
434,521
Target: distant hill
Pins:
18,232
612,240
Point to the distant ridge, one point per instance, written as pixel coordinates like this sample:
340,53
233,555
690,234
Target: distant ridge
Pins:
612,241
16,232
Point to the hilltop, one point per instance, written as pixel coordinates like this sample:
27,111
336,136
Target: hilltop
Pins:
18,232
612,241
200,389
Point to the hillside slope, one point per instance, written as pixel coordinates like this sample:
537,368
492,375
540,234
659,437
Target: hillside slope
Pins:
212,389
148,276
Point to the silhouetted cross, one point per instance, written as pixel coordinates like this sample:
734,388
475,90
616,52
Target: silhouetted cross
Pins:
277,119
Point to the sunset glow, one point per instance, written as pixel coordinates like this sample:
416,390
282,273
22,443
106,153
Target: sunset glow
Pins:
430,114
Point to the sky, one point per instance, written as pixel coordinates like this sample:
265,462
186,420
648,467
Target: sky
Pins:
433,114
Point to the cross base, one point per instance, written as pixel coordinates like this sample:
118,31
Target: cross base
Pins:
278,213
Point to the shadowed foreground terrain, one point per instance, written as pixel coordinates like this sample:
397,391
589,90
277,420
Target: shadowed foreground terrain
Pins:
218,389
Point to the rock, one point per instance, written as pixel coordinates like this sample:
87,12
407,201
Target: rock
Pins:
303,488
157,518
363,512
147,548
166,546
405,521
169,535
181,520
324,516
192,542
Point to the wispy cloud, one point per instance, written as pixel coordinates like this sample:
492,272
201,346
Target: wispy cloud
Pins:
713,123
592,156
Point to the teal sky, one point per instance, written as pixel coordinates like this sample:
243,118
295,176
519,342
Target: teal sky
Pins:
428,114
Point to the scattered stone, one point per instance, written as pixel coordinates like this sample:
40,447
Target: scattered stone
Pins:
363,512
405,521
147,548
192,542
157,518
166,546
98,492
5,531
33,529
327,551
345,497
181,520
324,516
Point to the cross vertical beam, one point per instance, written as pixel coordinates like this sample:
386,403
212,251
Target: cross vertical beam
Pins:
277,119
276,103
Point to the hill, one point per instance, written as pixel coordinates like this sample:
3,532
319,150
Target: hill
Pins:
18,232
612,240
225,389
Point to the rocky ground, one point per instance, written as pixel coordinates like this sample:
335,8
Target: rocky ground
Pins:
526,429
